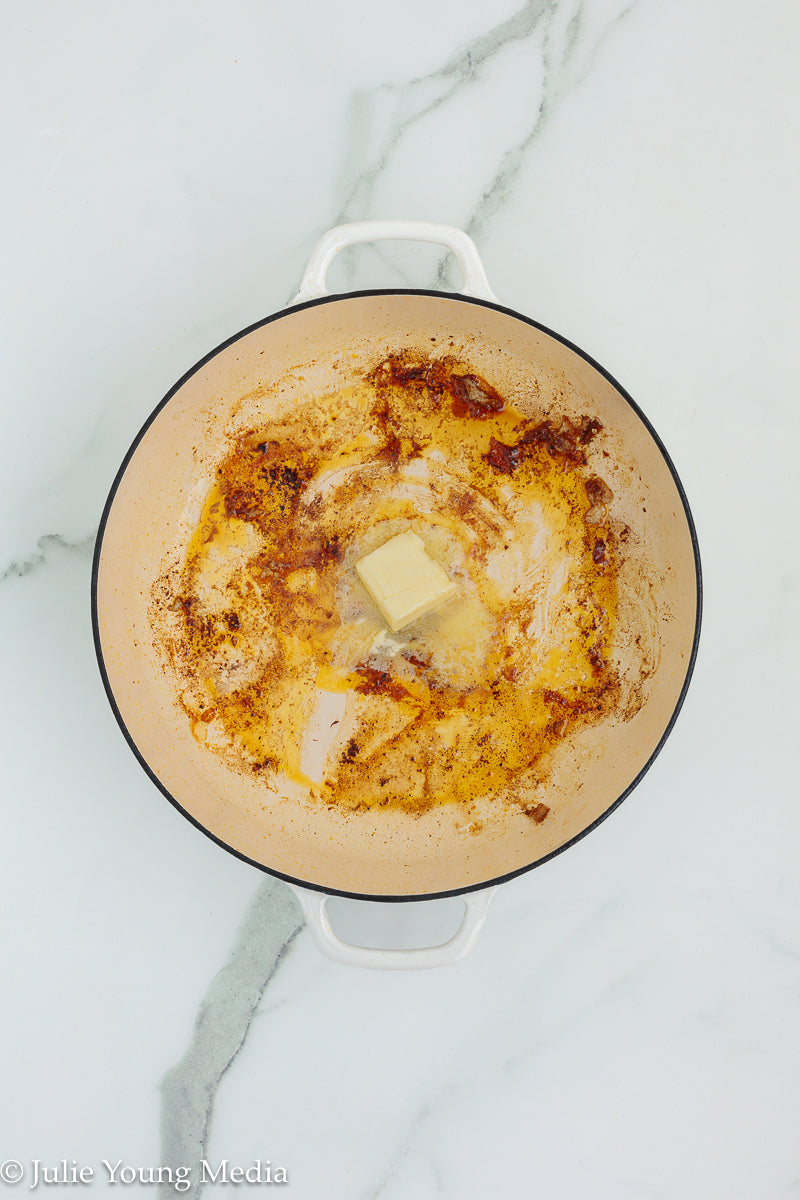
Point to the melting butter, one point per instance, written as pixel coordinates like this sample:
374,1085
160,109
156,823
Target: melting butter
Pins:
404,581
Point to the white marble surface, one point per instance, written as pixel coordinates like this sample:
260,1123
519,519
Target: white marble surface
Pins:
629,1026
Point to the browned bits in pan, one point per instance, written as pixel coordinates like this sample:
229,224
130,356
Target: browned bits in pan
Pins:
537,812
600,496
471,396
503,458
414,736
474,397
375,683
563,442
598,491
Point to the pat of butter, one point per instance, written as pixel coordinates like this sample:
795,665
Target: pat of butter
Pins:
403,580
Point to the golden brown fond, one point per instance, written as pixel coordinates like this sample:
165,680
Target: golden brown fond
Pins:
286,666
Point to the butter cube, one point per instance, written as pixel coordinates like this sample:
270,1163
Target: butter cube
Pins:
403,580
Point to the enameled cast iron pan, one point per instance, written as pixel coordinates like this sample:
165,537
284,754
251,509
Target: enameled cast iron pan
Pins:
387,855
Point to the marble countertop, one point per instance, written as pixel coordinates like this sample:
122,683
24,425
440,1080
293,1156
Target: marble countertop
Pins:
628,1027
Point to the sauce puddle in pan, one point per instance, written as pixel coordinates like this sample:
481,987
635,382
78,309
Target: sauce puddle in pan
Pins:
283,662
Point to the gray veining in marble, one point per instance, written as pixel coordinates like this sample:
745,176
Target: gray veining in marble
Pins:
45,546
189,1089
555,60
403,1153
411,103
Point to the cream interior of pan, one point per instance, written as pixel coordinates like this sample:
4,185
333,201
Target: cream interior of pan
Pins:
388,852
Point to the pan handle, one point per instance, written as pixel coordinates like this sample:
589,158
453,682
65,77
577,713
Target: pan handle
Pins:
474,281
314,905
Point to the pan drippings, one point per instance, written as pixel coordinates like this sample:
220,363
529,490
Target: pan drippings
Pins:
284,665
